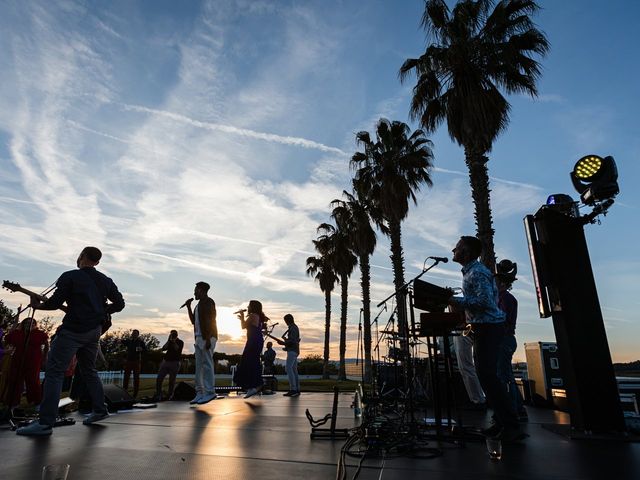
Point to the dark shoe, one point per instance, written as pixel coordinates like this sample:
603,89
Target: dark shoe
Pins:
95,417
492,431
288,394
295,394
35,429
511,435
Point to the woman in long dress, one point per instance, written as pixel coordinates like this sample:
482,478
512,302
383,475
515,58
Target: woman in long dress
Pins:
249,372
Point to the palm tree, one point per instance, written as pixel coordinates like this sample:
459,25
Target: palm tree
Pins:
389,173
475,51
353,217
344,261
321,269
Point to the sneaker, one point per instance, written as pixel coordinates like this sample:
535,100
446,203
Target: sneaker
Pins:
251,392
206,398
288,394
95,417
196,399
295,393
35,429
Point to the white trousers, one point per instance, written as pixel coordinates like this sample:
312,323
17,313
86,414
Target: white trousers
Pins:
464,355
292,371
205,372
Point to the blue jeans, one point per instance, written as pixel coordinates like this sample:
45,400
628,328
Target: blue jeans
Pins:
67,343
292,371
505,373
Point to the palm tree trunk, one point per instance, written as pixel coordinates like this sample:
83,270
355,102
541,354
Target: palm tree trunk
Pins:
397,260
344,282
479,181
366,314
327,331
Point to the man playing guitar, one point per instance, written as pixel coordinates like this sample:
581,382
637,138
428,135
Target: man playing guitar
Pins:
291,342
85,292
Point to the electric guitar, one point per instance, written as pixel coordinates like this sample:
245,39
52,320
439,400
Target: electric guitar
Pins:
15,287
280,341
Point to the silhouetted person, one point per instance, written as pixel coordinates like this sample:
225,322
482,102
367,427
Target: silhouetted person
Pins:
291,342
27,361
133,362
170,364
268,360
509,305
479,301
249,374
205,330
85,291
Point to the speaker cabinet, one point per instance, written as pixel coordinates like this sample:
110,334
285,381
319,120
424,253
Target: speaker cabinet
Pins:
117,398
184,391
544,372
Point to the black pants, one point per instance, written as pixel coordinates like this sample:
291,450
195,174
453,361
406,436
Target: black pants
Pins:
487,342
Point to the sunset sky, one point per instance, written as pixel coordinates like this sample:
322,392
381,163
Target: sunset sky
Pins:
204,141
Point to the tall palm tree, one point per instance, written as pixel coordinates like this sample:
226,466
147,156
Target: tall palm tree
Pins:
475,50
353,217
389,172
344,261
320,267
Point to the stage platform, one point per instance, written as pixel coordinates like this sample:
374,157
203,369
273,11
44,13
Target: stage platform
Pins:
267,438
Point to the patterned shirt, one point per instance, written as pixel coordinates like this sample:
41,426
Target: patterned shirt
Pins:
480,295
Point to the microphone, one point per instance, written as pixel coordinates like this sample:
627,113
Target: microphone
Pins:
242,310
185,303
439,259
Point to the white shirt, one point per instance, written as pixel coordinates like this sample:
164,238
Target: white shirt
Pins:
196,325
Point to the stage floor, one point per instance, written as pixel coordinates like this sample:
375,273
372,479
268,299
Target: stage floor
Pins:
268,438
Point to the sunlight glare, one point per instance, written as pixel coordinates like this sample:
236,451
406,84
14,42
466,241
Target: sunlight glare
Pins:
228,323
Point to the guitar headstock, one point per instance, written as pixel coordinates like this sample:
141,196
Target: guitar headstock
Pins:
11,286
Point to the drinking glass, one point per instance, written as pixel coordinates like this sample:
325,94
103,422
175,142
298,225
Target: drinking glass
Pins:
55,472
494,447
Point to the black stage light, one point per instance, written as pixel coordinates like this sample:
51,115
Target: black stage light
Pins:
595,178
563,203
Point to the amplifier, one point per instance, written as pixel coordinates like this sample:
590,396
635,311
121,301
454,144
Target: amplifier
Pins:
544,370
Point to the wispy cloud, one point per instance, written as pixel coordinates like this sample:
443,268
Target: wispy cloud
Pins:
216,127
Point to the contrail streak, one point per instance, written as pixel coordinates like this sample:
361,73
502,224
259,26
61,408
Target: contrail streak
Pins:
218,127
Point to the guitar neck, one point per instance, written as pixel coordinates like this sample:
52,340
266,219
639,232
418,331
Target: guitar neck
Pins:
275,338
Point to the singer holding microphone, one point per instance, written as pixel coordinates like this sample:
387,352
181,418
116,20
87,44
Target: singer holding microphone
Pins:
205,329
249,373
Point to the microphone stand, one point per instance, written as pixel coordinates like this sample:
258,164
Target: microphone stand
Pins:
404,334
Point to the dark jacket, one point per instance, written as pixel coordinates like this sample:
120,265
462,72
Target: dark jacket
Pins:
207,315
86,292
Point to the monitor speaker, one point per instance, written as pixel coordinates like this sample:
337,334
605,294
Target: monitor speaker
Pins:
117,398
184,391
